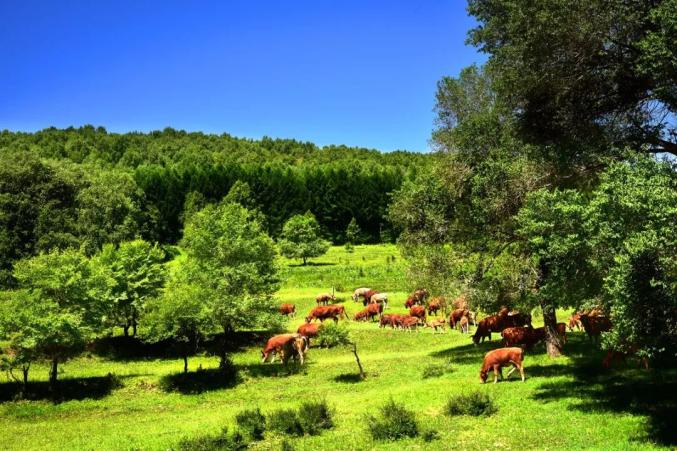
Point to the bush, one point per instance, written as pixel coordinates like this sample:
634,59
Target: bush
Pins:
315,416
475,404
332,335
285,421
252,423
430,435
436,370
286,446
394,422
220,442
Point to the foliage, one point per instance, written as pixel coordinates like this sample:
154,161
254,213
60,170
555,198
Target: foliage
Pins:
230,260
251,422
285,421
614,246
314,416
436,370
588,77
220,442
301,238
136,266
394,422
331,335
353,232
474,404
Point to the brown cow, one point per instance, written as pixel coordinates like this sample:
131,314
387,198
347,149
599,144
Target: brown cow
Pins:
368,295
418,311
409,323
562,331
498,358
288,310
327,312
309,330
410,302
460,302
575,321
595,325
325,298
464,322
361,315
439,323
374,310
392,320
456,316
522,336
493,323
435,304
296,348
517,319
620,356
275,345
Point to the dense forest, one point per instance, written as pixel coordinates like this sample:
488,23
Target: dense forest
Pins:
84,186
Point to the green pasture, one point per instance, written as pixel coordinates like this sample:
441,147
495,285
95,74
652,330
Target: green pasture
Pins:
145,404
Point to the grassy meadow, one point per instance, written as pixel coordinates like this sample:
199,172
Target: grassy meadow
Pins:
146,404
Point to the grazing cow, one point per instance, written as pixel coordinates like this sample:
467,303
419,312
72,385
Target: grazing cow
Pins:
620,356
275,345
392,320
361,315
410,302
595,325
325,298
296,348
418,311
288,310
379,298
434,305
420,295
309,330
522,336
374,310
493,323
439,323
327,312
409,323
456,316
368,295
360,292
562,331
517,319
464,324
575,321
498,358
472,316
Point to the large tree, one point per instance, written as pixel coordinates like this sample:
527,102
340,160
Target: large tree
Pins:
230,263
301,238
587,78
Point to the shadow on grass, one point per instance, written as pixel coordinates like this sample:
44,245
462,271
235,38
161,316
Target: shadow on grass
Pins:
67,389
200,381
309,264
348,378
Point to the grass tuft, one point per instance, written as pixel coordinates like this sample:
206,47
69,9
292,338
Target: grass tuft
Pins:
393,422
473,404
252,422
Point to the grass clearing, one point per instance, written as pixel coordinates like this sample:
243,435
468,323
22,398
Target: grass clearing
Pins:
565,403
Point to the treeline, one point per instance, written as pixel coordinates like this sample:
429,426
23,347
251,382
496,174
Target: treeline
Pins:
85,187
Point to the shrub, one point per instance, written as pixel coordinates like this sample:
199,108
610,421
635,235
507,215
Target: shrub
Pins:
220,442
286,446
315,416
394,422
430,435
252,423
332,335
474,404
285,421
436,370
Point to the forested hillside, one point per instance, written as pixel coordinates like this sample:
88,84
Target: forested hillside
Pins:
85,186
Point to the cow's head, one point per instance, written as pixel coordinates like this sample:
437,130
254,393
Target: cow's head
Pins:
476,339
264,357
483,376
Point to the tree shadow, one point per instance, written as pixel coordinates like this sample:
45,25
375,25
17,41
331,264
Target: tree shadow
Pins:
301,265
200,381
348,378
257,370
70,389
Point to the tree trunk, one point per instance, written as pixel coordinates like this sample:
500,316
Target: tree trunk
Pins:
553,342
185,363
304,261
53,373
24,370
125,329
357,359
134,323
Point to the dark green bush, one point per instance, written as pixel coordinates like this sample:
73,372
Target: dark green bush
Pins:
394,422
315,416
285,421
436,370
475,404
252,422
332,335
220,442
430,435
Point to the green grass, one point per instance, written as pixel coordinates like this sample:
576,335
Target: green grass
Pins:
565,403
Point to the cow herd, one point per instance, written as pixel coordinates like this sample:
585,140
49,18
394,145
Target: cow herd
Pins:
515,328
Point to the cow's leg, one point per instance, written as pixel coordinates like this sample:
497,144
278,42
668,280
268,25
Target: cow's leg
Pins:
496,369
521,368
512,370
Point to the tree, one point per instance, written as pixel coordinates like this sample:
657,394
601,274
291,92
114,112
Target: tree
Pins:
230,261
109,210
335,335
139,274
353,232
588,78
57,309
301,238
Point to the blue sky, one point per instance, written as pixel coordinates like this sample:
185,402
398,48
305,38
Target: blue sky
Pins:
358,73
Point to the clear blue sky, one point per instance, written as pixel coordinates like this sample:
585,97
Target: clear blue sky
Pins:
361,73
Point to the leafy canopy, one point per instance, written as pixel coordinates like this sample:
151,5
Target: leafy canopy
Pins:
301,238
